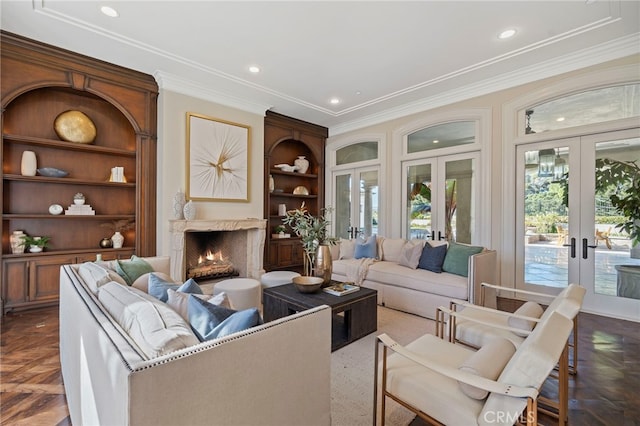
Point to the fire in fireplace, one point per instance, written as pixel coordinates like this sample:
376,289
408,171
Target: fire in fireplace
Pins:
209,255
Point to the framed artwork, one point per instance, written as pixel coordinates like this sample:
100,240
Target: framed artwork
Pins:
217,159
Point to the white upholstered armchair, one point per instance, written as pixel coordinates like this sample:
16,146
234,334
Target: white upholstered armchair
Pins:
447,383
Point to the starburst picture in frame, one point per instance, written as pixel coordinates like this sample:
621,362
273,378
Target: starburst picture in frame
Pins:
217,159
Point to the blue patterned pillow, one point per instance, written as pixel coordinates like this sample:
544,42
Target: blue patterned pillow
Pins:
210,321
158,287
432,258
367,249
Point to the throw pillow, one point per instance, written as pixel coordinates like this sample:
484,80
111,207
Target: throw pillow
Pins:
142,283
179,301
130,270
410,255
432,257
457,259
366,249
158,287
528,309
347,248
210,321
487,362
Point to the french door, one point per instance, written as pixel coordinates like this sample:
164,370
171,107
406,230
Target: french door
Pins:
567,222
441,198
356,197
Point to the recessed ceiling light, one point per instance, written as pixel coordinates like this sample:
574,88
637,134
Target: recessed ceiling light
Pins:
109,11
436,141
254,69
560,119
507,33
334,101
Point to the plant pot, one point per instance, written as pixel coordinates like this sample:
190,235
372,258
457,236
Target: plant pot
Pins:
35,249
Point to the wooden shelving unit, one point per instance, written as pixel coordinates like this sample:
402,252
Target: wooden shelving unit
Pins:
38,83
285,140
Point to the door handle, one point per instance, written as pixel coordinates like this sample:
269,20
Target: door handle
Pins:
585,246
433,235
440,237
573,247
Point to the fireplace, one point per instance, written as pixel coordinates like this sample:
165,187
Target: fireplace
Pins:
216,249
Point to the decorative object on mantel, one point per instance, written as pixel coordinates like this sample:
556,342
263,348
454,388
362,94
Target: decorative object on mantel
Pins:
286,167
29,164
117,239
302,164
35,244
301,190
75,126
55,209
189,210
313,232
179,201
52,172
17,242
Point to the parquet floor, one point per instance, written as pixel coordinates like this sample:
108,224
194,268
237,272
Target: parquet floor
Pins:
606,390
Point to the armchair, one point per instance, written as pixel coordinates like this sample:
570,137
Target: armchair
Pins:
475,326
426,377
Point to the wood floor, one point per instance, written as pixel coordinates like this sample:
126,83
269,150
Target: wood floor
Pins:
606,390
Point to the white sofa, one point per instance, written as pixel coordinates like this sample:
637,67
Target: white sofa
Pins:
417,291
277,373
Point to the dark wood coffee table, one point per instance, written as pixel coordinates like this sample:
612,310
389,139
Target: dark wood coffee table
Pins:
354,315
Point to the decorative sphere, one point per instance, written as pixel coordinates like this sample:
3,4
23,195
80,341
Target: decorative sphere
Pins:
106,242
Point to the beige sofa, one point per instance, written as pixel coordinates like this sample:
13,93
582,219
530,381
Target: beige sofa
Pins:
277,373
417,291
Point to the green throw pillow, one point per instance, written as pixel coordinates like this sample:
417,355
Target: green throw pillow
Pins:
456,260
131,270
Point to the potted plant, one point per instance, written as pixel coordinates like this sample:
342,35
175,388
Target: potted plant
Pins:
35,244
279,231
624,178
313,232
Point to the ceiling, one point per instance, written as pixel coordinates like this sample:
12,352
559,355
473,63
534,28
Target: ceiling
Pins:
382,60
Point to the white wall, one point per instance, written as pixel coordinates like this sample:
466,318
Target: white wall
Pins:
172,134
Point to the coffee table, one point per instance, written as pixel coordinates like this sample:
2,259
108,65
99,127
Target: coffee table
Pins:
353,315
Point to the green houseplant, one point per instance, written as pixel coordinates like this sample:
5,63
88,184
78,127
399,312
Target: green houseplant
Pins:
35,244
621,179
312,230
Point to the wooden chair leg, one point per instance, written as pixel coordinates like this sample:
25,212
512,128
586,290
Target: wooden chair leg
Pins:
532,412
573,367
563,387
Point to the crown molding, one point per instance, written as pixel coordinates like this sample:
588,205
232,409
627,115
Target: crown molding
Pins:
174,83
615,49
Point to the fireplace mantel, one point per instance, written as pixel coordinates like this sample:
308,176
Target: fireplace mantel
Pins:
256,233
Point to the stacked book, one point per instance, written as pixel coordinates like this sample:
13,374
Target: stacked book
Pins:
80,209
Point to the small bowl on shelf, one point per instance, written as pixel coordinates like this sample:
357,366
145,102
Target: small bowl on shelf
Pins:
306,284
301,190
52,172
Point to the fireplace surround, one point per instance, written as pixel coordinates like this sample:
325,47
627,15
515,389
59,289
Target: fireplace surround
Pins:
241,233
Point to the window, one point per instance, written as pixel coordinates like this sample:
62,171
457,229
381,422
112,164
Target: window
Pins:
361,151
442,136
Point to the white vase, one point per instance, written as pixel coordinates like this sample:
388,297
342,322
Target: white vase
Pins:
17,242
272,184
29,164
189,210
302,164
117,239
282,210
179,201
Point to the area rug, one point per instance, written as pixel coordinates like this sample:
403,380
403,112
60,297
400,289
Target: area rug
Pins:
352,371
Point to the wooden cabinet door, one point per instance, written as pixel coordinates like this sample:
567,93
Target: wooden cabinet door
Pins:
44,277
287,253
16,278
